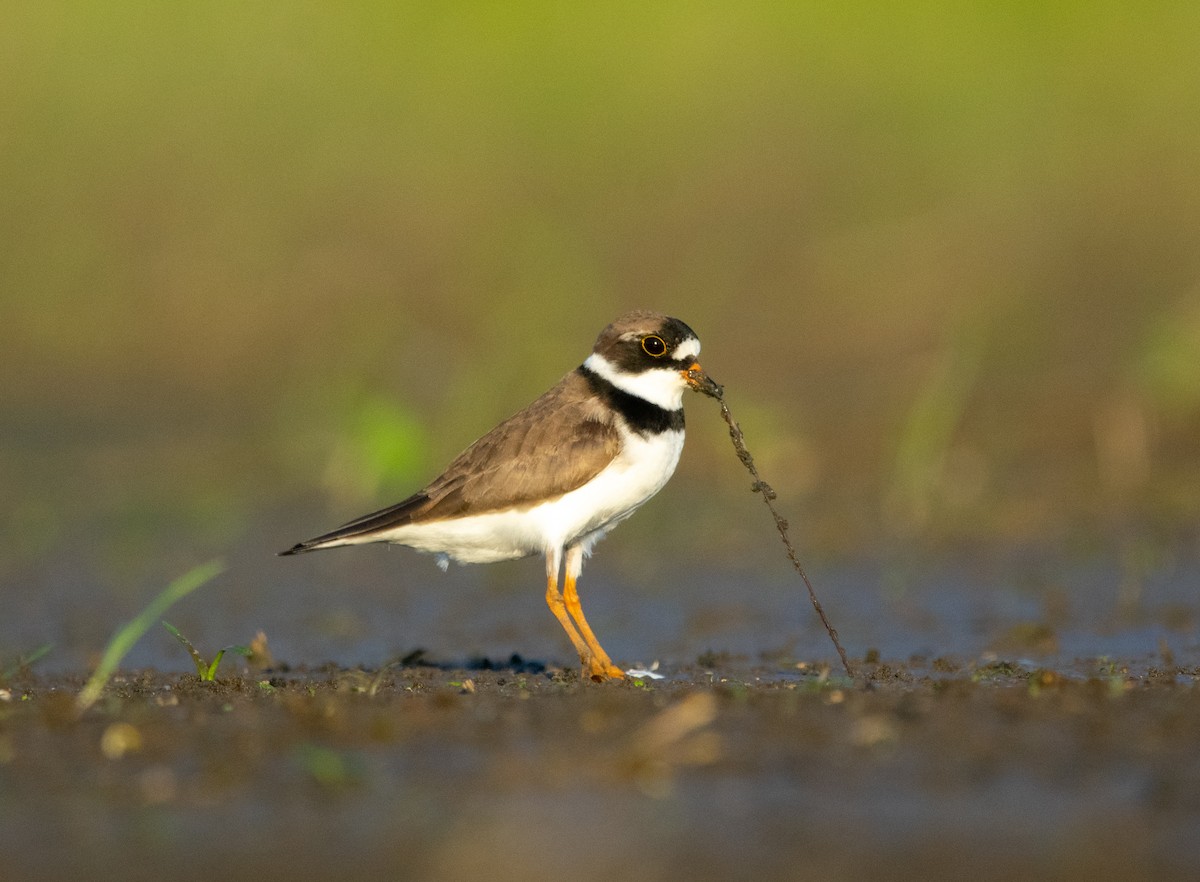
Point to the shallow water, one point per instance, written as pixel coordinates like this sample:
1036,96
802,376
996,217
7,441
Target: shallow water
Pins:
370,605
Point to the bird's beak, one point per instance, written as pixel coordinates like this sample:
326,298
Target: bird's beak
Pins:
702,382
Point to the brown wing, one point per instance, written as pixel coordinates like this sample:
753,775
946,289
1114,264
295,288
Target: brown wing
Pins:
556,444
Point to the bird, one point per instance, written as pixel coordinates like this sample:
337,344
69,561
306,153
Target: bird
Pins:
557,476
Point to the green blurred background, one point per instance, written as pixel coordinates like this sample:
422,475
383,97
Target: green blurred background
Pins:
264,267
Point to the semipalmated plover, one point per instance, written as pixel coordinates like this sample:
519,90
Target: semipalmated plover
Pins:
556,477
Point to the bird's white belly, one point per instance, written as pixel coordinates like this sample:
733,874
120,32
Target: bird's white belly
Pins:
586,513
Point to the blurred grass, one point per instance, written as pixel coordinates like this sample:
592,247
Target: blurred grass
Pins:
240,247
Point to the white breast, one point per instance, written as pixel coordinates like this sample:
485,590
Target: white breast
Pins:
641,470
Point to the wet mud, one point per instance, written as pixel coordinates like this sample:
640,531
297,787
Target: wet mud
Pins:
515,769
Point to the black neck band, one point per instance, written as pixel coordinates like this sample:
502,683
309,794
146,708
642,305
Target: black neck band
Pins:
644,417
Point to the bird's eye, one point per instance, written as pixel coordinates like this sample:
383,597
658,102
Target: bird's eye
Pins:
654,346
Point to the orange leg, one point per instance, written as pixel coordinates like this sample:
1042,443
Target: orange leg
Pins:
554,600
599,666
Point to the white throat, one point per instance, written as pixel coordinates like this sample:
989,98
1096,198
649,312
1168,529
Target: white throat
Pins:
661,386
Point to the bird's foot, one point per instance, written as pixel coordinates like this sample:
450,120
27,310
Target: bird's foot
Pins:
600,671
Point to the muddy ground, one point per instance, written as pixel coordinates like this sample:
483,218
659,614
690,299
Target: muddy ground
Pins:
925,768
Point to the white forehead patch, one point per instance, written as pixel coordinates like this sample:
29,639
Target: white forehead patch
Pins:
687,350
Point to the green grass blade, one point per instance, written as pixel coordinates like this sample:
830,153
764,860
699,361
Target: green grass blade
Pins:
25,661
197,660
210,673
127,635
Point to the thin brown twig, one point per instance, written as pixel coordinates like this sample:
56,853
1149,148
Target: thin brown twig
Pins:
768,496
